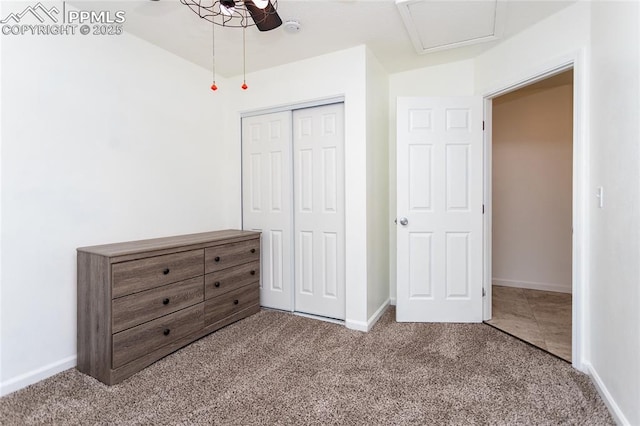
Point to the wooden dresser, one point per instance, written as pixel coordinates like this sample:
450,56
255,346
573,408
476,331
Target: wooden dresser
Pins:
139,301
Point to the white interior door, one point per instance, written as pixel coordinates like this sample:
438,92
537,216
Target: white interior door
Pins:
318,150
439,196
267,202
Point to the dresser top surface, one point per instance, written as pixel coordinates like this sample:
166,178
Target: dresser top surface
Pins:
131,247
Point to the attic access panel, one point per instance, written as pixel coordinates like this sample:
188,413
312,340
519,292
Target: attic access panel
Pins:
445,24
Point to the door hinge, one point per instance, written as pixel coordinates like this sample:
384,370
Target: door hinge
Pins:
483,125
483,209
484,292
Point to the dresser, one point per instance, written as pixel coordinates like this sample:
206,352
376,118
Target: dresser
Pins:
139,301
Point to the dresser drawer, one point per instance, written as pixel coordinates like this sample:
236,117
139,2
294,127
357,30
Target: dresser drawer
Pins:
143,274
219,282
138,308
138,341
218,308
228,255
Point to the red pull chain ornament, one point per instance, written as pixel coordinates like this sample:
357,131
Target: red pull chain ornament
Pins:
214,86
244,86
244,59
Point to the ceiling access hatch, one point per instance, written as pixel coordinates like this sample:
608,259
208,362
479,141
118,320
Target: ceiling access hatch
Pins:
446,24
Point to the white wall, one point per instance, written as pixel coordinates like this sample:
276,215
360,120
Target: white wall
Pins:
104,139
532,167
558,36
615,229
603,38
453,79
378,223
341,73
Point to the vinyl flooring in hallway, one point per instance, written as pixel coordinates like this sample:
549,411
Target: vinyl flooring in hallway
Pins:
542,318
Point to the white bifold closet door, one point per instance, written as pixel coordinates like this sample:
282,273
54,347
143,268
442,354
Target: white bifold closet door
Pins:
293,192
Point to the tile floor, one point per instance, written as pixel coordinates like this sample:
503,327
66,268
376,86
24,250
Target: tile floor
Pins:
542,318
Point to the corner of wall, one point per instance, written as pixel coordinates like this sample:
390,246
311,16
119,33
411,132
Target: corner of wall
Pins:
366,326
377,174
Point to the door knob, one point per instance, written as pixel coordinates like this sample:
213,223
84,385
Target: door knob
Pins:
404,221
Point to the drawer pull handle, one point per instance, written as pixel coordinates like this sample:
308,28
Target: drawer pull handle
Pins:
253,250
216,284
166,271
217,259
235,302
166,332
165,301
253,272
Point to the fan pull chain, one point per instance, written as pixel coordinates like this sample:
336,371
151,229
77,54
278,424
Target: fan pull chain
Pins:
244,59
214,87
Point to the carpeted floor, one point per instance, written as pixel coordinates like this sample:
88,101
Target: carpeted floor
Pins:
278,368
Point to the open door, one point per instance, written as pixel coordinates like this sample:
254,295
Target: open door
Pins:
439,216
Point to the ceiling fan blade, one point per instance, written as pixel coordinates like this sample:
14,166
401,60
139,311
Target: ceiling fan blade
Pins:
266,19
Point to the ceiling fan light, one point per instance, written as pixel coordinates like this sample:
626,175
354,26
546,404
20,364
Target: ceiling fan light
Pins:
261,4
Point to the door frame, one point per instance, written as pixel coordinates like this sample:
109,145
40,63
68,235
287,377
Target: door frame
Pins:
580,241
293,106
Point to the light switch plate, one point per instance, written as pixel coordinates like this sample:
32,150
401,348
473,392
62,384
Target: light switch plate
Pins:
600,196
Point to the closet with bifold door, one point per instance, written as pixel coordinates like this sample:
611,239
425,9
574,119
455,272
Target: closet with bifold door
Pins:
293,192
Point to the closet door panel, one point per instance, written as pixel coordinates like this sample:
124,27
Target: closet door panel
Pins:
318,184
267,196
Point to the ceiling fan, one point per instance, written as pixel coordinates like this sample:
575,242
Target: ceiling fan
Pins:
236,13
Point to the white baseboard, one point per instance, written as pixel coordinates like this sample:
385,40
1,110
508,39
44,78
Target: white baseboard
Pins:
614,409
558,288
392,301
356,325
366,326
377,314
31,377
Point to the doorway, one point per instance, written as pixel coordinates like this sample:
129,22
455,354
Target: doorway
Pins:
532,213
293,192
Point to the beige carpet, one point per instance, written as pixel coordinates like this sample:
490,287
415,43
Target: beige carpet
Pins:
277,368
